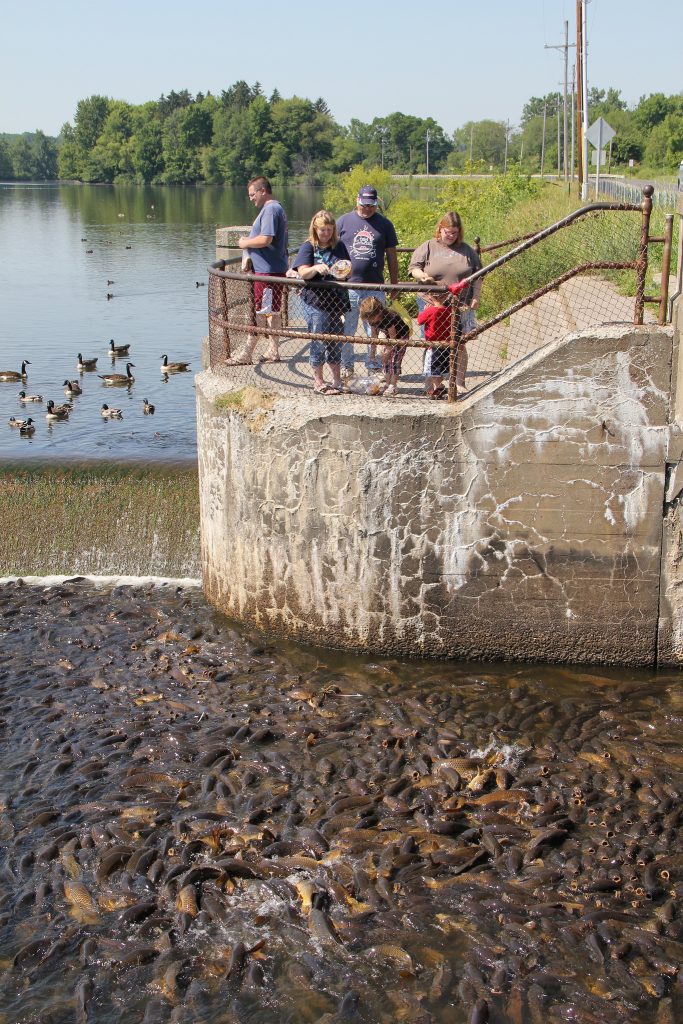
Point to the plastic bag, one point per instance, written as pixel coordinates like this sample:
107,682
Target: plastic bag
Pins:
371,385
266,301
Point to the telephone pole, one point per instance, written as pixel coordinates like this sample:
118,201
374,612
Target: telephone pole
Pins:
564,46
427,141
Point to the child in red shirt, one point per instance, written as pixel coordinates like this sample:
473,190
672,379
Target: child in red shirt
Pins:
436,318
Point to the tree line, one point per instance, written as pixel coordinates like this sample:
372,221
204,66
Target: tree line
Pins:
185,139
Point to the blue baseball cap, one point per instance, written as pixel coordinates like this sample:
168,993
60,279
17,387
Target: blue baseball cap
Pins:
367,196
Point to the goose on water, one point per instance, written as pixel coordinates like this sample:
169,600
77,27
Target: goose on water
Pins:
23,397
118,378
167,367
110,414
71,388
28,428
16,374
57,412
86,364
118,350
147,408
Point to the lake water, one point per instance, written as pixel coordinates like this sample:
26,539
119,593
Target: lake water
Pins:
63,246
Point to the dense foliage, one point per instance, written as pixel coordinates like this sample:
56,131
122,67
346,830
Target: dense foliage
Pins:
184,139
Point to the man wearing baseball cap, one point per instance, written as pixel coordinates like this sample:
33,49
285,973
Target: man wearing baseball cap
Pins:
370,239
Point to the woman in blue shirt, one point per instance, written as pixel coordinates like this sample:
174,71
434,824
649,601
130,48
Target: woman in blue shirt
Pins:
323,302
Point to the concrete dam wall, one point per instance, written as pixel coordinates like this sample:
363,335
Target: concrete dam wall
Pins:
537,519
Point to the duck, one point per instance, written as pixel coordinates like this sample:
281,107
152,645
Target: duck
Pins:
118,350
199,284
23,397
118,378
16,374
57,412
167,367
110,295
86,364
14,422
71,388
110,282
28,428
110,414
147,408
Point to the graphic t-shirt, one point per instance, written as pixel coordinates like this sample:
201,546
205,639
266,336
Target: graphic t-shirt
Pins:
272,220
325,296
367,242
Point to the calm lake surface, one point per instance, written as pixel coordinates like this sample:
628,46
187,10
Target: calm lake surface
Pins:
64,244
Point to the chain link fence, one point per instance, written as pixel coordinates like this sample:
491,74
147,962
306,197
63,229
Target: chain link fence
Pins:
415,341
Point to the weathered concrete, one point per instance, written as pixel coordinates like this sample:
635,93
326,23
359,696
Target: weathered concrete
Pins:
524,522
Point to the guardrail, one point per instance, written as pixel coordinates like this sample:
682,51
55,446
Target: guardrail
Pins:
568,277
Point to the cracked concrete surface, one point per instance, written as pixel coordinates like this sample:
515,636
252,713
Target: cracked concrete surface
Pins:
525,522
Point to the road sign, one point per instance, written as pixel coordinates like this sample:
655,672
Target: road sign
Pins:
601,155
600,133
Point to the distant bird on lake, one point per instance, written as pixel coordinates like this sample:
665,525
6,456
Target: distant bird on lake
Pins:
111,282
16,374
28,428
110,295
89,252
71,388
147,408
86,364
118,350
14,422
167,367
199,284
129,247
110,414
23,397
118,378
57,412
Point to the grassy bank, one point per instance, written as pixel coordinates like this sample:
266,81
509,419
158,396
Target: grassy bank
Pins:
99,519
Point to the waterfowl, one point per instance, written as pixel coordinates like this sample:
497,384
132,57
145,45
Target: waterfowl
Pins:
14,422
118,350
110,295
23,397
199,284
16,374
86,364
118,378
57,412
147,408
111,282
71,388
110,414
28,428
167,367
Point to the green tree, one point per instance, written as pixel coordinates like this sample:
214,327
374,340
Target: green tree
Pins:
6,169
22,159
44,157
147,143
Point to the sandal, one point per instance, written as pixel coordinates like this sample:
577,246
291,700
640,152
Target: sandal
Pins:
327,389
236,361
439,393
269,359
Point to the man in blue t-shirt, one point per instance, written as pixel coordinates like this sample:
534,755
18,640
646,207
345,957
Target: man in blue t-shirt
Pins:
370,239
266,246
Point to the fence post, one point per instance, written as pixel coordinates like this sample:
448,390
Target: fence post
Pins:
456,334
666,266
641,262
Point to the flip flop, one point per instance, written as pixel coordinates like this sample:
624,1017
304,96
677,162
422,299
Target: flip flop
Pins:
238,362
327,389
269,359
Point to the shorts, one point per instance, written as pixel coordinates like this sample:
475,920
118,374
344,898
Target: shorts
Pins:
391,360
276,289
440,364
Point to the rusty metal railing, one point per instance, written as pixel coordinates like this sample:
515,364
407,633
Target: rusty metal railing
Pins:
567,277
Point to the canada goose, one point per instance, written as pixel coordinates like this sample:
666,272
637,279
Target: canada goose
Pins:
57,412
118,350
71,388
147,408
28,428
110,414
16,374
23,397
14,422
167,367
86,364
118,378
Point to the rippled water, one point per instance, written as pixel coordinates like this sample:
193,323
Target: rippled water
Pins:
154,244
198,826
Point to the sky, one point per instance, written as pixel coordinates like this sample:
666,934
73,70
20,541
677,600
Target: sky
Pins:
457,62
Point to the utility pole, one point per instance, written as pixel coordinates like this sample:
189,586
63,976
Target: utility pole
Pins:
471,141
543,141
564,46
559,169
579,99
507,132
584,97
427,141
573,121
382,132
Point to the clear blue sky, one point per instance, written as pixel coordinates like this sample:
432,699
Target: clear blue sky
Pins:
456,62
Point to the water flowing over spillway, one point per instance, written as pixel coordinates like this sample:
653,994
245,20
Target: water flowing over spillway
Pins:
198,826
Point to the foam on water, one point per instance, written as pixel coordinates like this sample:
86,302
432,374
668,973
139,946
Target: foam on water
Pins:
186,582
